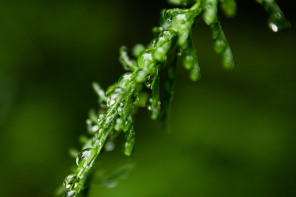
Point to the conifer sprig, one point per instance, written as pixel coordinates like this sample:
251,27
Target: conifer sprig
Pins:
120,100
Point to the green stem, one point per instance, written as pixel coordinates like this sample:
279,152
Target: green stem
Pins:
121,98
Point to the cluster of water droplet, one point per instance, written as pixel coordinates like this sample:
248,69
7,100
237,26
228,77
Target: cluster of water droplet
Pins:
130,141
114,96
119,101
70,193
70,183
125,123
85,157
221,45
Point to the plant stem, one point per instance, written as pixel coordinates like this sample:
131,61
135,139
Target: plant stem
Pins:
122,98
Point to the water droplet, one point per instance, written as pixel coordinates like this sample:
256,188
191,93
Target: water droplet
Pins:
220,45
109,146
163,46
148,81
126,68
97,143
149,104
89,125
120,108
166,32
111,183
70,180
95,128
98,134
210,13
119,124
101,116
111,101
85,157
178,22
147,56
124,79
182,18
101,119
103,105
128,123
70,193
273,27
108,120
88,122
195,72
138,49
145,59
188,62
141,76
160,54
153,105
128,147
154,42
130,134
227,59
114,96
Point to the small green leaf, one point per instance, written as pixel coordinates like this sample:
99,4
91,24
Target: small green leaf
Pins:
210,11
138,49
100,92
221,45
277,21
228,7
126,62
128,147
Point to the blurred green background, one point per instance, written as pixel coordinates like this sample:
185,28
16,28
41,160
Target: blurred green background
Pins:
231,133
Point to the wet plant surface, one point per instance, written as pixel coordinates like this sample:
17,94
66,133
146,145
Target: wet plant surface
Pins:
122,98
231,131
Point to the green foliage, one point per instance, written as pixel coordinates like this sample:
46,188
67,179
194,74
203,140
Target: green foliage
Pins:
277,20
119,102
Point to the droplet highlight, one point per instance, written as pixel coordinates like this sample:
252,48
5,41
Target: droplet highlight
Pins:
70,193
85,157
273,27
109,146
69,181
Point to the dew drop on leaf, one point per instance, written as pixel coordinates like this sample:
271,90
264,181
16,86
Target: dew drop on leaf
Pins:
273,27
95,128
69,181
145,59
127,124
148,81
84,157
141,76
97,143
114,96
149,104
130,134
220,45
70,193
120,108
111,184
124,79
119,124
138,49
109,146
128,147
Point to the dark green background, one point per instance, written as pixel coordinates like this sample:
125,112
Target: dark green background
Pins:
231,133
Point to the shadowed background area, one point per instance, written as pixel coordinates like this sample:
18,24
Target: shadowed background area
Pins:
230,134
